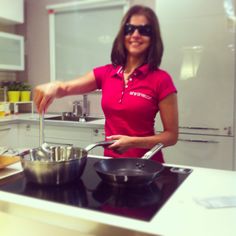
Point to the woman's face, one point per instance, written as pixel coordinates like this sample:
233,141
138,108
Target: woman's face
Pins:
135,42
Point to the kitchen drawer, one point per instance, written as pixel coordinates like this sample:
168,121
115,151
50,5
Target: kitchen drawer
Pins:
72,133
64,132
97,136
29,135
8,135
63,141
28,129
201,151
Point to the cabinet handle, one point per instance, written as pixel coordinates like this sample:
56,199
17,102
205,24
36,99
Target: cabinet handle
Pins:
6,129
195,127
57,144
197,141
96,132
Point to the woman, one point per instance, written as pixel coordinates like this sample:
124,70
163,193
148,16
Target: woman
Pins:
134,89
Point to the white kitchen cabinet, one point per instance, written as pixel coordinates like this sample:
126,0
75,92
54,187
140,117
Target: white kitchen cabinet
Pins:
97,136
201,151
201,60
11,52
8,136
77,136
11,11
29,135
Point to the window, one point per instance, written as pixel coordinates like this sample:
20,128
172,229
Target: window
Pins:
81,36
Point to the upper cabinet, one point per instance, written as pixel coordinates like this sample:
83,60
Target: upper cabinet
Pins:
11,52
11,45
11,11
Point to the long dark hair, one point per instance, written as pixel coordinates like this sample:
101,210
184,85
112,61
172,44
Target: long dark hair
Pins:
155,51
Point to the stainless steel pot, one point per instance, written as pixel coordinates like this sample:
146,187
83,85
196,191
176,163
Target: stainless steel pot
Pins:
61,165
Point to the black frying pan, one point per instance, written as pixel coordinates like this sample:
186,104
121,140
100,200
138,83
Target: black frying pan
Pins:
130,171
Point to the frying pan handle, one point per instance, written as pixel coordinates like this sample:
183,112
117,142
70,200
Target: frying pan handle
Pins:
153,151
102,143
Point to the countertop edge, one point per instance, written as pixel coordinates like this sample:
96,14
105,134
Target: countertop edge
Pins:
34,119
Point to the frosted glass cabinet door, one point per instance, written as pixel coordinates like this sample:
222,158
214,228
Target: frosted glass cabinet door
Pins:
11,52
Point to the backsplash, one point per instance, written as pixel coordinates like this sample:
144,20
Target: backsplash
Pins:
66,104
7,76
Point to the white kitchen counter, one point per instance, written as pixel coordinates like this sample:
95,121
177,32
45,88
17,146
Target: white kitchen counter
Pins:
181,215
34,118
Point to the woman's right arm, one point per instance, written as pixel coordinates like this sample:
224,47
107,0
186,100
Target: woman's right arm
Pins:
45,94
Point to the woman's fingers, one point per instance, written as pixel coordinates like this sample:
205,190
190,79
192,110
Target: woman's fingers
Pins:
121,145
37,98
44,96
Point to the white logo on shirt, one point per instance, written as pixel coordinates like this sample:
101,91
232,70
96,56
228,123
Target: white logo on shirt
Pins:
138,94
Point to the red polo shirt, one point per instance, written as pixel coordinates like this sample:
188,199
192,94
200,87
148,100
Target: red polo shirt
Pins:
131,109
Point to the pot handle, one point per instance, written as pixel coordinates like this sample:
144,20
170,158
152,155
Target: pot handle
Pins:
102,143
154,150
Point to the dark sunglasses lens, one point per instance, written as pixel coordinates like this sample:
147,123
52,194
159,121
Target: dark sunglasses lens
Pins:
129,29
145,30
142,29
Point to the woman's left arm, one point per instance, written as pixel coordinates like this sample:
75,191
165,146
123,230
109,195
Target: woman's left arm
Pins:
169,116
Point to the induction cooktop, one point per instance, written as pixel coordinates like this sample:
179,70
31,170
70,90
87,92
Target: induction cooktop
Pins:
90,192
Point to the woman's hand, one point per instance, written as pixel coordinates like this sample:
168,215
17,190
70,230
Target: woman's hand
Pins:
122,144
45,94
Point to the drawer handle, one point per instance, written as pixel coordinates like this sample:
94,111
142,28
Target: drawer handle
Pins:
96,132
195,127
6,129
197,141
57,144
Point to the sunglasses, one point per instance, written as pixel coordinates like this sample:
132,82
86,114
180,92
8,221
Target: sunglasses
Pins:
145,30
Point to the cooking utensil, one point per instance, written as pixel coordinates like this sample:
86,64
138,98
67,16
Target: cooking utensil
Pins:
45,146
55,168
41,129
57,151
130,171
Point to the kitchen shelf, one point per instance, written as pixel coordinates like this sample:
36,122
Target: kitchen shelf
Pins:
16,106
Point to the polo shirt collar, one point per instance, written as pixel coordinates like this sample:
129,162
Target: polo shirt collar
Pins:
141,70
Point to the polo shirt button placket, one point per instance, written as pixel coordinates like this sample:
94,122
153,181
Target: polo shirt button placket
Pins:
122,94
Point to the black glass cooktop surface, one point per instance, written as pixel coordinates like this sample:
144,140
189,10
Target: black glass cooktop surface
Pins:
92,193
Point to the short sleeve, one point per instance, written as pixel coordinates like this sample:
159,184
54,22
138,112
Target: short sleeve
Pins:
101,73
165,86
